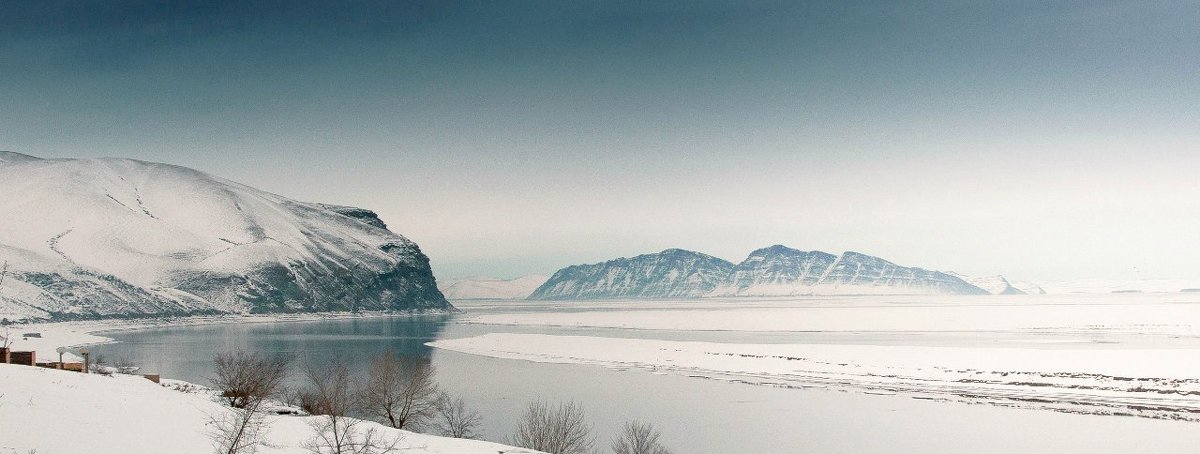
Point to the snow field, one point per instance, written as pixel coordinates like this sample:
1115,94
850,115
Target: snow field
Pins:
1141,382
55,412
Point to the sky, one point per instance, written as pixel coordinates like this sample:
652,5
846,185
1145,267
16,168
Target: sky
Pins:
1039,140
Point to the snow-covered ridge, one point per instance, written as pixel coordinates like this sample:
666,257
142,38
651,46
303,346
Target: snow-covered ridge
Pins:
999,285
491,288
673,273
772,271
91,238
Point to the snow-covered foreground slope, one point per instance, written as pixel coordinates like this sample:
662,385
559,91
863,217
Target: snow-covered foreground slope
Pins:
1149,383
54,412
468,288
88,238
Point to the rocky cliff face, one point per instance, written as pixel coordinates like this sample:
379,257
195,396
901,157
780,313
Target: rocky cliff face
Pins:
93,238
771,271
777,269
673,273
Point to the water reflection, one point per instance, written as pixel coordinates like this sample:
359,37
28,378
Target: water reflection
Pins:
186,352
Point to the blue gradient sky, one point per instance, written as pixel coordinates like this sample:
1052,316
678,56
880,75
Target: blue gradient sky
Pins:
1038,140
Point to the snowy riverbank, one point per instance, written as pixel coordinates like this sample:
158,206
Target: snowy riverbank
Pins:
51,411
1120,354
49,336
1159,383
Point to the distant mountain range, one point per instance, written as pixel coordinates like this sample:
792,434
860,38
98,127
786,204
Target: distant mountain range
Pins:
95,238
771,271
468,288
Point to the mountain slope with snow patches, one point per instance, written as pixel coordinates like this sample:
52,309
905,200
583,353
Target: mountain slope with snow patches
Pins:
673,273
995,285
94,238
772,271
783,271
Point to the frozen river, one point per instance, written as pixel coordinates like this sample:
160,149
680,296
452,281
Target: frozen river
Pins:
785,375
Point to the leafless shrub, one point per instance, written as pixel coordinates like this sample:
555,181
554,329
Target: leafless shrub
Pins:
340,435
454,419
246,378
639,438
330,389
331,394
560,430
99,364
125,366
237,432
246,381
400,392
303,398
186,388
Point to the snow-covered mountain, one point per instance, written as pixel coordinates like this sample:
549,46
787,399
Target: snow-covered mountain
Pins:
996,285
491,288
673,273
1029,288
999,285
771,271
89,238
783,271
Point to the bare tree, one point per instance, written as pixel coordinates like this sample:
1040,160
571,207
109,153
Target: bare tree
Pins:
454,419
331,395
246,381
560,430
400,391
639,438
245,378
6,337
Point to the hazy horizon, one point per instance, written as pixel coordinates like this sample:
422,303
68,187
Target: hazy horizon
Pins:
1041,142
